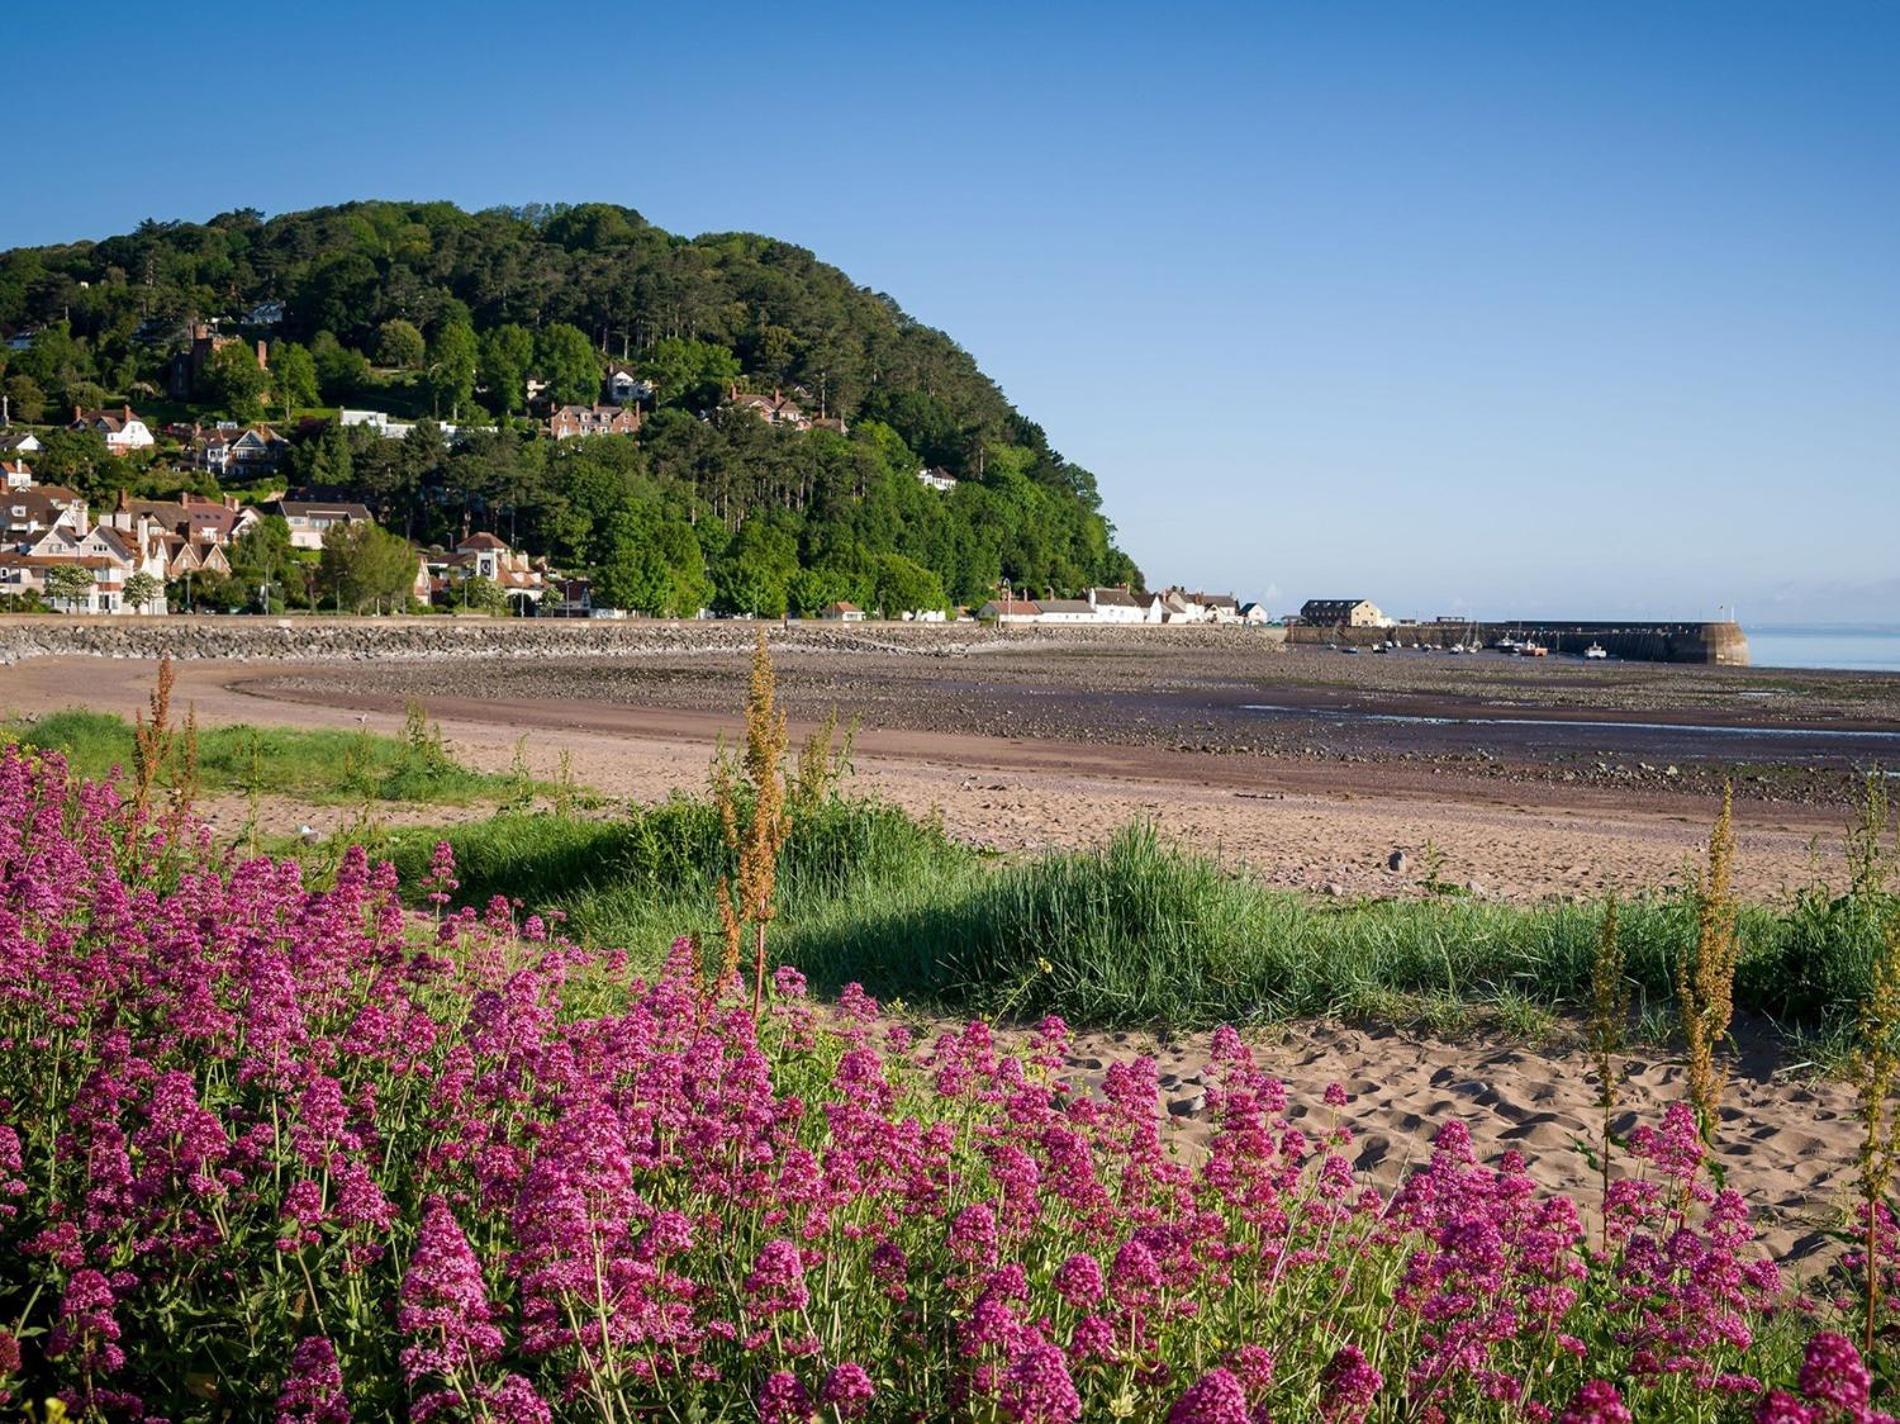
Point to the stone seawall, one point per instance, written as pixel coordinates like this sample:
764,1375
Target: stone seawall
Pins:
358,639
1718,643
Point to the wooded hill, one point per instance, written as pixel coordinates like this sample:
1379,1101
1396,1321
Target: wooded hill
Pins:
423,309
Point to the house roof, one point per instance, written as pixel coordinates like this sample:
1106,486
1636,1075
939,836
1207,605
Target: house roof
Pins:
482,541
1116,597
111,421
1065,605
303,508
1025,606
842,607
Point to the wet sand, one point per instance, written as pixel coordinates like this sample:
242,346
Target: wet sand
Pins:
1042,747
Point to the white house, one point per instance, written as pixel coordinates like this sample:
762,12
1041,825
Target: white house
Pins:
842,612
938,479
625,386
15,474
1122,605
1010,610
310,520
375,420
488,556
1180,607
1065,610
124,432
20,442
1255,614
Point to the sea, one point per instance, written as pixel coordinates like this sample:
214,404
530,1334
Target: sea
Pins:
1860,647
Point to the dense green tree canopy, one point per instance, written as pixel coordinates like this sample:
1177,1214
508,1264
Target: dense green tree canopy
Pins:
707,502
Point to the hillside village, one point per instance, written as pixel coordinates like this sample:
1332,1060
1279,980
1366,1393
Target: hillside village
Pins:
142,555
348,410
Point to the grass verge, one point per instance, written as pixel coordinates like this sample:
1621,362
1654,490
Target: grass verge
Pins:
1140,932
320,766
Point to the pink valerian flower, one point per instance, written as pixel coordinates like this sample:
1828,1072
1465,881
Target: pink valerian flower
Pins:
783,1400
1347,1386
890,1268
848,1389
1597,1402
514,1401
1253,1367
444,1314
1037,1389
12,1172
1215,1398
440,882
1833,1374
777,1279
1078,1280
1780,1407
87,1332
313,1390
973,1235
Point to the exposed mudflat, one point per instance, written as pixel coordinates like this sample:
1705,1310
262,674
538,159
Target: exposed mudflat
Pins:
1034,742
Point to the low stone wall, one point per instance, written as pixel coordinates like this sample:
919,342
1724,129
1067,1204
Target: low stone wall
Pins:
303,639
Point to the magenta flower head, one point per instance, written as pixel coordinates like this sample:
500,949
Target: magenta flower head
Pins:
788,983
783,1400
1597,1403
313,1390
777,1281
1833,1374
1780,1407
1348,1384
1253,1367
1037,1388
848,1389
1078,1280
87,1331
890,1267
514,1401
973,1235
1215,1398
444,1311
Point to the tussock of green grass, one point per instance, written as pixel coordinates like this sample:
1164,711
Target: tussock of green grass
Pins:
315,765
1138,932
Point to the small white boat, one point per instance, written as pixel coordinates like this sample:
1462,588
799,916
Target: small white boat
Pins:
1596,651
1456,648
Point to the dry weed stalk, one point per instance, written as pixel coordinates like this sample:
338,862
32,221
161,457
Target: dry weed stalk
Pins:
1876,1063
1609,1016
151,742
1705,977
753,809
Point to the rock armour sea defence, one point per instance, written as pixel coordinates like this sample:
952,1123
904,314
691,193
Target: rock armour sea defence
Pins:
303,639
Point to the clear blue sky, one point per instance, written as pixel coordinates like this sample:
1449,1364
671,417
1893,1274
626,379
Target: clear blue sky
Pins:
1581,307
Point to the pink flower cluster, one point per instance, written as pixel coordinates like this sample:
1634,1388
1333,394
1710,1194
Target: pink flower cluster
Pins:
438,1166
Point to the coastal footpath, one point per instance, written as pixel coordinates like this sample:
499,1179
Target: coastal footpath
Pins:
242,639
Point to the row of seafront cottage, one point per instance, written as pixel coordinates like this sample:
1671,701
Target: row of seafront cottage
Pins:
132,552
